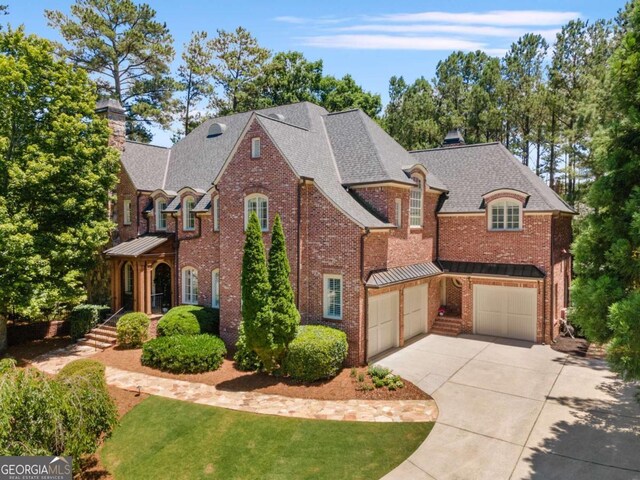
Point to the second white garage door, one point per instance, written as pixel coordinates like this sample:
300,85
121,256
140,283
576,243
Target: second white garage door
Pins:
415,311
383,323
505,311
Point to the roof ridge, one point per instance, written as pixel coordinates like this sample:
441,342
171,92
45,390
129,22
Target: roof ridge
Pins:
344,111
333,155
451,147
261,115
147,144
373,144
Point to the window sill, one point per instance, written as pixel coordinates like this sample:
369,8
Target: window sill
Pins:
505,229
330,319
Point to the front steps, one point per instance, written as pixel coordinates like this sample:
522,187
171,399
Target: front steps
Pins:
101,337
451,327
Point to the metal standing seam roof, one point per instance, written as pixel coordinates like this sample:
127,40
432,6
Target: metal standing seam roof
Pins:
492,269
407,273
137,246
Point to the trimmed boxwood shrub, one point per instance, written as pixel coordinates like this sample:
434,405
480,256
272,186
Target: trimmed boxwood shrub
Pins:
189,320
80,367
317,352
132,329
184,353
84,317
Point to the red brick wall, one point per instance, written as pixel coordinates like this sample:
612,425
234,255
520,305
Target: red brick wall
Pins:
26,332
127,191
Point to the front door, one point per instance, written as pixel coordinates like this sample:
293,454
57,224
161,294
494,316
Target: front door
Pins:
161,299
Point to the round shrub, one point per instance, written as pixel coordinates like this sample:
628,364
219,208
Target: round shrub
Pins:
132,329
189,320
184,353
81,367
317,352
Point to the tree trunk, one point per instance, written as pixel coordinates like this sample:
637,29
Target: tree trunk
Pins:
3,334
552,152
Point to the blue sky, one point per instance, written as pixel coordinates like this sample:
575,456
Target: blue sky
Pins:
372,40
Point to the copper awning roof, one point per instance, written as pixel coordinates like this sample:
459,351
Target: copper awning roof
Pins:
407,273
137,246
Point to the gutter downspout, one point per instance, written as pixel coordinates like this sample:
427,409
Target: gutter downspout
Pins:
363,237
138,214
551,340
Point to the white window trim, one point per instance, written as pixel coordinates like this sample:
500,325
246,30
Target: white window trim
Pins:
325,296
215,288
216,213
247,199
187,214
256,147
417,188
504,203
189,298
160,216
398,212
126,213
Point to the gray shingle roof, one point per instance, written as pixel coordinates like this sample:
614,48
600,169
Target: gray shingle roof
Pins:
366,153
407,273
203,205
145,164
137,246
471,171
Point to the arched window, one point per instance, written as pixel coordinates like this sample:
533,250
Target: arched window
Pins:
505,214
415,204
188,216
128,279
161,217
260,204
215,288
189,285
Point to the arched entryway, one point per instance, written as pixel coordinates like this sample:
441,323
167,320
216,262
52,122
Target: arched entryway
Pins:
127,281
161,298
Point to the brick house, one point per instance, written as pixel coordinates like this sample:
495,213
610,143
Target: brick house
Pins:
378,238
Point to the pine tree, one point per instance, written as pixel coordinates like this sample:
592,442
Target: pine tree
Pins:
286,317
606,292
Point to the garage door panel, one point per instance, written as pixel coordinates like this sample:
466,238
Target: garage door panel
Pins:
415,311
382,332
505,311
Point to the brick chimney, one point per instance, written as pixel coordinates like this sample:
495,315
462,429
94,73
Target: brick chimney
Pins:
453,139
111,109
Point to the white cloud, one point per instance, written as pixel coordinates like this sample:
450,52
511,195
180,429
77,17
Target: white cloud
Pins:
475,30
290,19
496,17
389,42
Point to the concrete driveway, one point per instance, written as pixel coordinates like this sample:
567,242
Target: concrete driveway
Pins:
511,409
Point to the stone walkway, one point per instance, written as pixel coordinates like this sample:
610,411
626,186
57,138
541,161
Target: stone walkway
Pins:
346,410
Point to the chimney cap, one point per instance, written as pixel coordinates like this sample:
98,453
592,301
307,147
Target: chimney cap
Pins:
454,137
109,105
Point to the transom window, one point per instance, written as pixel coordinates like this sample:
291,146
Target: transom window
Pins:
189,216
415,207
505,215
333,297
260,204
255,148
126,217
215,288
190,286
161,217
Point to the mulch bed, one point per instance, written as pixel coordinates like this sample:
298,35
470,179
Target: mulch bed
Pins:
25,352
227,377
573,346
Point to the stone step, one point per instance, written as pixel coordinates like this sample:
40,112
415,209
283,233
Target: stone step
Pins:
447,326
94,344
100,338
111,328
105,332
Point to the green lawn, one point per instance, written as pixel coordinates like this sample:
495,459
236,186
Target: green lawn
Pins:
169,439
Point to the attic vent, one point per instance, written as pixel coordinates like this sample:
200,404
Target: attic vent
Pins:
216,129
277,116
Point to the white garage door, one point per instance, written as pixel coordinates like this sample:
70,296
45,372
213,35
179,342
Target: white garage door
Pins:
383,323
415,311
505,311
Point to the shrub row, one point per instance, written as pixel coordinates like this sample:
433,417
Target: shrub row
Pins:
317,352
189,320
84,317
184,353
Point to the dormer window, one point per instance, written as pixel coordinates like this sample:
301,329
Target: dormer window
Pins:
161,217
255,147
415,203
505,215
188,215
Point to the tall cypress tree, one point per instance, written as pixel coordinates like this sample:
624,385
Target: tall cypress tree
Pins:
606,293
286,317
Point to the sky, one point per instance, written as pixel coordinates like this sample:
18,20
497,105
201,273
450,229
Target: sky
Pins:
371,40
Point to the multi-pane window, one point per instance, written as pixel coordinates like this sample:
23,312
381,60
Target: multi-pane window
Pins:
128,279
255,147
333,297
215,289
505,215
216,214
161,216
189,216
126,218
260,204
415,206
398,212
190,286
